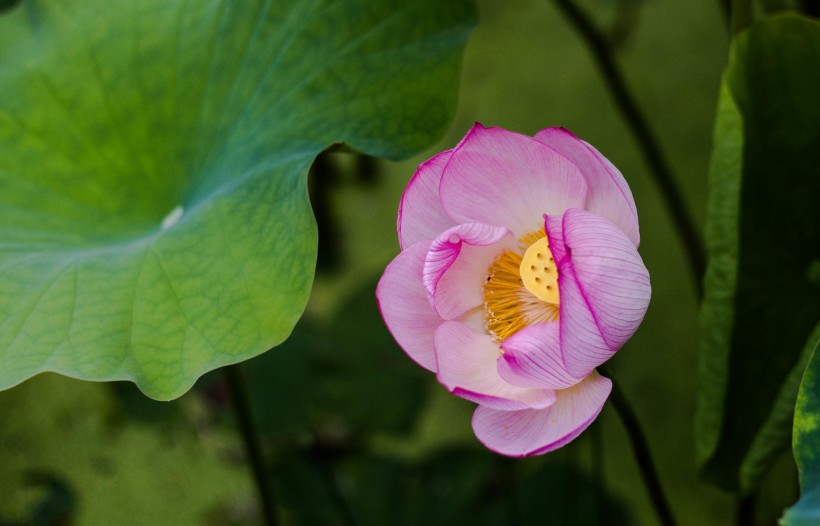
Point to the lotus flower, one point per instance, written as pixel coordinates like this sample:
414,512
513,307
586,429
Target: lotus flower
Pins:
518,276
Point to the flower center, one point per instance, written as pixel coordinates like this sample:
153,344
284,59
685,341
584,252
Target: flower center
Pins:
539,272
521,287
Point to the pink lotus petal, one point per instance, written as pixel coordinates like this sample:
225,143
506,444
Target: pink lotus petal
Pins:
421,215
461,210
532,358
609,195
405,307
553,226
503,178
467,367
582,346
535,431
605,290
456,265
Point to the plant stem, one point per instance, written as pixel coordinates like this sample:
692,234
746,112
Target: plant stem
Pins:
250,437
639,126
641,450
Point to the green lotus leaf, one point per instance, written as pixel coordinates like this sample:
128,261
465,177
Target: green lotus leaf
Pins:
805,440
762,294
154,214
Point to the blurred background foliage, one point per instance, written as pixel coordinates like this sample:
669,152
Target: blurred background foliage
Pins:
357,434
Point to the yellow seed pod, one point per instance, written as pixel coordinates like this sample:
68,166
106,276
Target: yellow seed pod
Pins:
539,272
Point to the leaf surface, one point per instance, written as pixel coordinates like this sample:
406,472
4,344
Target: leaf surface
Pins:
762,288
153,162
806,438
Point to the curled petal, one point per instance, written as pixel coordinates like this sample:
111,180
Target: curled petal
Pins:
605,290
582,346
467,367
609,195
553,226
503,178
405,308
532,358
535,431
456,266
421,215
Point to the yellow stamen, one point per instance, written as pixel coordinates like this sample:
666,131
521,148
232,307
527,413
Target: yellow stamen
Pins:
515,294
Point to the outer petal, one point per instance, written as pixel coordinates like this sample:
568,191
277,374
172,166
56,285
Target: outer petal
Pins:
604,288
405,308
532,358
456,265
421,215
499,177
467,367
609,195
534,431
582,346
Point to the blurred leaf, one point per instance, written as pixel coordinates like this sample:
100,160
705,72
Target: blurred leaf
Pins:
6,5
281,385
134,405
763,236
805,442
120,472
466,486
777,429
53,503
453,486
365,375
457,486
155,216
303,491
57,505
350,376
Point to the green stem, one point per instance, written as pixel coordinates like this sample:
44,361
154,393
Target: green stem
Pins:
641,450
649,145
250,436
